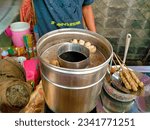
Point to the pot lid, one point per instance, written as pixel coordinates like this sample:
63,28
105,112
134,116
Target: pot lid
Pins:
9,9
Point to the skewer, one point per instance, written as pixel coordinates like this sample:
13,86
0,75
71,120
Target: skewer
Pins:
126,75
136,79
118,60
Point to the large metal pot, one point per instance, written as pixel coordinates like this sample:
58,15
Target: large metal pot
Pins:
72,90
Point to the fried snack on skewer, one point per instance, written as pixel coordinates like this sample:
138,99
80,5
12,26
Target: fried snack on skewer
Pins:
141,84
127,85
134,87
129,78
134,77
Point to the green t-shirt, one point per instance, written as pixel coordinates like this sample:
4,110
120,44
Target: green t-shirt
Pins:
56,14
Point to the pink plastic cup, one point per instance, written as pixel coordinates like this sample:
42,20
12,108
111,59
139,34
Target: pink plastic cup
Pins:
18,30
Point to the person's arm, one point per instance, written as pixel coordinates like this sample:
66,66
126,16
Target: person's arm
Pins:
89,17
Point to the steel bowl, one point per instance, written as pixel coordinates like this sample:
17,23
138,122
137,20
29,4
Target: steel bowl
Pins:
75,56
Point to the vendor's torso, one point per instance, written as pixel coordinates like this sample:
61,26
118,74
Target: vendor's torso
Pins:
55,14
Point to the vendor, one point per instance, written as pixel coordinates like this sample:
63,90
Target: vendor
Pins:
56,14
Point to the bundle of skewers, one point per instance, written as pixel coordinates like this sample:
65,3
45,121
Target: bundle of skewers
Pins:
128,77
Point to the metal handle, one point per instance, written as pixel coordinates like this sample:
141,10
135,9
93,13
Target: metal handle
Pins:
127,44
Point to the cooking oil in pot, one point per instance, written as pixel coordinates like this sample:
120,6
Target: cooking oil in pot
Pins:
73,56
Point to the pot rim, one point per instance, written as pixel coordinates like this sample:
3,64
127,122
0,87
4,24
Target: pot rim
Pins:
69,70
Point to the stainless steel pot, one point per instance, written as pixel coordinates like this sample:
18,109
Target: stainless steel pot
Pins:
72,90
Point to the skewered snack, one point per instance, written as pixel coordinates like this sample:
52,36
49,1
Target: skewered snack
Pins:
127,85
129,78
141,84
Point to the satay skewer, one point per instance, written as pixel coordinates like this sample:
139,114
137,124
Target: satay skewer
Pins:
141,84
129,76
